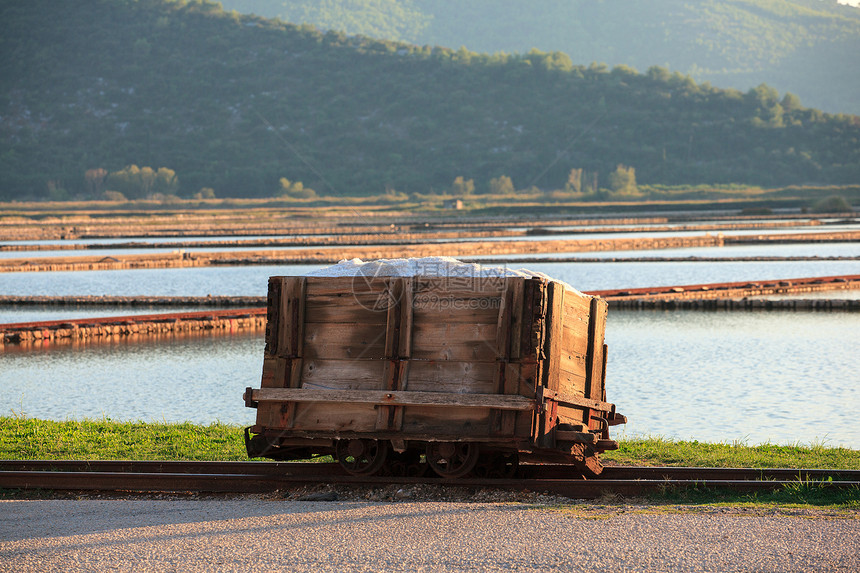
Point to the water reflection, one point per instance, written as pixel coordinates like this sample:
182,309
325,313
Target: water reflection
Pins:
198,378
758,377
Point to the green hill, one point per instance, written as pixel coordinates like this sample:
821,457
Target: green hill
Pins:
236,103
807,47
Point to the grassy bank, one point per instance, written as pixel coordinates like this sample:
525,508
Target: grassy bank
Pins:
28,438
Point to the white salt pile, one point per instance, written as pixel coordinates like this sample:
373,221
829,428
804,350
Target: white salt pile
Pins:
425,266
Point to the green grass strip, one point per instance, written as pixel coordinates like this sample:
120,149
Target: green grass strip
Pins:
28,438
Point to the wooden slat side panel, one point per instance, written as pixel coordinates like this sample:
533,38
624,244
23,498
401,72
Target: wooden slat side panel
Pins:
554,335
533,331
334,286
551,369
465,422
392,318
440,341
269,415
594,357
503,326
572,415
517,287
320,374
270,377
451,376
576,305
272,315
407,319
340,341
335,417
431,307
575,338
291,317
344,309
572,377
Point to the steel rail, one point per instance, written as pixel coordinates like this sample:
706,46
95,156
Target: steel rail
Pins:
261,477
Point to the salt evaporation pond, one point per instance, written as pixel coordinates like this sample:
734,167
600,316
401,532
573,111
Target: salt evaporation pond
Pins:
715,376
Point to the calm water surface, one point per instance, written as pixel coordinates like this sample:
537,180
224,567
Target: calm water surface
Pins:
687,375
252,281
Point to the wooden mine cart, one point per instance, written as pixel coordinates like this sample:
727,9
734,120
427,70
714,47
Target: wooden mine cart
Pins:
466,374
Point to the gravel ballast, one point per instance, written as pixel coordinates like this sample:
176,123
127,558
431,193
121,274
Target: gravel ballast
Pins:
270,534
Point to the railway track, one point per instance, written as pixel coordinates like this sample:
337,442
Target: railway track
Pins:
263,477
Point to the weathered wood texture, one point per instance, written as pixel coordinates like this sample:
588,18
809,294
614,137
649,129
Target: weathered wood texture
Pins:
424,356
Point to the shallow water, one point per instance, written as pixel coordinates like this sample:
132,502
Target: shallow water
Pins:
751,377
252,281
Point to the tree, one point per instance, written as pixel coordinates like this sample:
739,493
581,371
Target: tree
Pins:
295,189
143,182
462,186
502,185
95,179
574,181
166,181
205,193
622,181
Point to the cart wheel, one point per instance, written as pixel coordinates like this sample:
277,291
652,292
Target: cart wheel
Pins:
361,457
452,459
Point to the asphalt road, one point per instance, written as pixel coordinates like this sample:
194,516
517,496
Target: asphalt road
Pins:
259,534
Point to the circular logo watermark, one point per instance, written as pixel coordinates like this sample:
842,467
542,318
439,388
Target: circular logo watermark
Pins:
369,291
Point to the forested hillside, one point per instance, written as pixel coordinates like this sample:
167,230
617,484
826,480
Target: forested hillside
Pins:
808,47
202,101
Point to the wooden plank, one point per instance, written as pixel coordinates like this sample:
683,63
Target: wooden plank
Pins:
333,286
603,373
451,376
272,316
270,377
483,310
534,313
344,341
513,385
392,322
407,319
355,309
450,421
571,378
577,306
341,417
581,437
394,397
581,401
320,374
503,327
291,317
594,357
294,379
573,416
440,341
554,334
516,286
575,337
